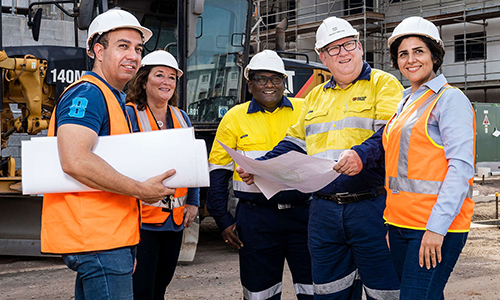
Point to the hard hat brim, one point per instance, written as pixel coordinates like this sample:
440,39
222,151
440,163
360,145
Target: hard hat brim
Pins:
392,39
145,33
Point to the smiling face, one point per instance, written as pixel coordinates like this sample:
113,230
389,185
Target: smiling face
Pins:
268,96
161,84
347,65
119,61
415,61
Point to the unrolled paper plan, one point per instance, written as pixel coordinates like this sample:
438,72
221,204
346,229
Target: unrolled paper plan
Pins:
292,170
138,155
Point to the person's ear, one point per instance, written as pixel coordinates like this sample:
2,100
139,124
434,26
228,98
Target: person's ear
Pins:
99,51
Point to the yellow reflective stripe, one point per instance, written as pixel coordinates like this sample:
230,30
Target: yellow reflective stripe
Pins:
459,231
262,295
428,116
423,228
404,226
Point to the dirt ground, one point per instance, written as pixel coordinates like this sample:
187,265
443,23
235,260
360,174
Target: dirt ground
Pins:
214,273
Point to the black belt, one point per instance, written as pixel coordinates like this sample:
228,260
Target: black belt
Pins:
346,198
274,205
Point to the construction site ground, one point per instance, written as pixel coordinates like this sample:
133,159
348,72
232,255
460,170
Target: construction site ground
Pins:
214,273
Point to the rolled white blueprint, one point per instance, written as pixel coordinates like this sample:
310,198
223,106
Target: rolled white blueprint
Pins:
138,155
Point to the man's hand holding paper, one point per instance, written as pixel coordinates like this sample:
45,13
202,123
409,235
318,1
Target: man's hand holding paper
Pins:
292,170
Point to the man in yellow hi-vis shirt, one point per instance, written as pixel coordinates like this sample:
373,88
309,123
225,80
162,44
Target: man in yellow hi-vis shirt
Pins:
346,228
269,231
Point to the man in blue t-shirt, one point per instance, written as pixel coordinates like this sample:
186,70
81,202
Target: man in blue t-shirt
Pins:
97,232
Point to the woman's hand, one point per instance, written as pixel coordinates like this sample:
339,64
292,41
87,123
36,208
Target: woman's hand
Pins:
430,249
190,212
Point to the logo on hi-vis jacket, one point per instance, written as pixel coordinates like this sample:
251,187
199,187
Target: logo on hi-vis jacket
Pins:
361,98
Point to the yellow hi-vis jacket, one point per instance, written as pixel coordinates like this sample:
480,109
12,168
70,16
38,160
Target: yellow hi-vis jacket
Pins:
335,119
251,134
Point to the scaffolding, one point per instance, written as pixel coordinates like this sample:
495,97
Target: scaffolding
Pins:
468,29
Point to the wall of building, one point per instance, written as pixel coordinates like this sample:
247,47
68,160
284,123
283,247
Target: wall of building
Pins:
15,32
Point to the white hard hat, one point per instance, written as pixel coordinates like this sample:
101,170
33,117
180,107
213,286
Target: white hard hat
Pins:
416,26
333,29
267,60
161,58
114,19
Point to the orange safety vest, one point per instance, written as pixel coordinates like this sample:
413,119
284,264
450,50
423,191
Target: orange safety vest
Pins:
91,221
152,214
416,167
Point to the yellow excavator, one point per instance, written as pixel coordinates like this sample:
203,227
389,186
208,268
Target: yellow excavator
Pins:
211,41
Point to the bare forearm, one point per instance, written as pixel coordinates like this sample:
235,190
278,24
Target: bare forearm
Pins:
75,144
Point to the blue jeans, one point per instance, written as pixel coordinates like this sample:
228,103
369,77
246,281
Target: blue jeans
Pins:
416,282
103,275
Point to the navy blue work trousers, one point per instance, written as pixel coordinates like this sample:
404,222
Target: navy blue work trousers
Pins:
270,236
347,243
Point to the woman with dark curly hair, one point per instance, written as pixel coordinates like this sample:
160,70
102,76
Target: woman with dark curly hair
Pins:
151,105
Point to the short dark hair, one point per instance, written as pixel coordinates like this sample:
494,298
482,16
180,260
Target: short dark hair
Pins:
102,39
437,52
137,93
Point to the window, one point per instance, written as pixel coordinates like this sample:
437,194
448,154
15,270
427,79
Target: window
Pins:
475,46
353,7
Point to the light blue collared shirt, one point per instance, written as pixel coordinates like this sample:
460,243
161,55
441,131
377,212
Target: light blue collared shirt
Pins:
449,125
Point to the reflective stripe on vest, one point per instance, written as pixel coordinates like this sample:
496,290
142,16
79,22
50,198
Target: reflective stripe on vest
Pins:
349,122
154,213
90,221
329,154
414,179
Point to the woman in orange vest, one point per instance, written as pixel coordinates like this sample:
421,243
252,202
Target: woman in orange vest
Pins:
429,160
151,105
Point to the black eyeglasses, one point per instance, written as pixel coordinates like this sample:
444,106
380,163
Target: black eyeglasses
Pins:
335,49
262,80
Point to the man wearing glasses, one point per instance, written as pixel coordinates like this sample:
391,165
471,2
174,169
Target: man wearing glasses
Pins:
266,232
346,228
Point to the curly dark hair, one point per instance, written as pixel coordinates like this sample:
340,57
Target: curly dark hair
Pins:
137,93
436,50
